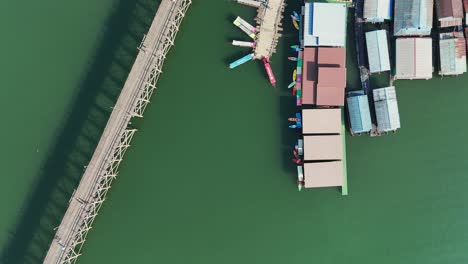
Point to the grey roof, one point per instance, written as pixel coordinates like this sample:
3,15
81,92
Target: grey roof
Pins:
452,54
377,51
413,17
377,11
386,109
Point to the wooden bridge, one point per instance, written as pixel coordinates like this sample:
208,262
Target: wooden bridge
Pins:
103,167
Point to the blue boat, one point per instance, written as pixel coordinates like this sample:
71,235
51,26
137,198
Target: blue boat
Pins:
241,61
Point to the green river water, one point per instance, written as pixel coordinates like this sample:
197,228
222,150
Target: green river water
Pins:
208,177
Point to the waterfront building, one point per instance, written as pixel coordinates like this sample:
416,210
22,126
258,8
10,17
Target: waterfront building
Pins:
324,76
377,51
359,113
413,17
323,174
413,58
377,11
452,50
325,24
321,121
386,109
449,13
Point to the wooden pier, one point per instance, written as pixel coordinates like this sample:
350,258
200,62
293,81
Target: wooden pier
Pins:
269,26
103,167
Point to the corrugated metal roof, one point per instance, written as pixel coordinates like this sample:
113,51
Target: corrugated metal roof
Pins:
413,17
413,58
452,54
386,109
377,51
359,114
325,24
377,10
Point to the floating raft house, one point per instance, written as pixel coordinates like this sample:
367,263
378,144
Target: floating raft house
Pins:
452,50
386,109
449,13
359,113
413,18
377,51
413,58
377,11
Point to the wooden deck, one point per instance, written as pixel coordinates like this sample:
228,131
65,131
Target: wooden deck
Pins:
269,27
103,167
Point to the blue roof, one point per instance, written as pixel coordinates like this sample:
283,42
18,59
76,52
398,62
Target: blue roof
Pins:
359,114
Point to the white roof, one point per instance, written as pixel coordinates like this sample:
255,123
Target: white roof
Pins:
413,58
377,51
377,10
325,24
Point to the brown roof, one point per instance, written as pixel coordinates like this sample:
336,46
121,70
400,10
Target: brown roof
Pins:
332,57
325,67
328,147
323,174
466,35
331,86
309,75
321,121
449,8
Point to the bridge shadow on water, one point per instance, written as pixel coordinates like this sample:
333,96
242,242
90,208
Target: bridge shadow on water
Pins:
78,136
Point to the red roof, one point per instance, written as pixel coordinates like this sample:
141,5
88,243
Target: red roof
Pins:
309,75
324,76
332,57
331,86
449,8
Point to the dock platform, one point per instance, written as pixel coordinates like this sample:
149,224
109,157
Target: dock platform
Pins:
269,27
103,167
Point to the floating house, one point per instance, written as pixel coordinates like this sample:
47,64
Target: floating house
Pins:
325,24
449,13
359,113
386,109
413,17
452,53
377,11
321,121
413,58
324,76
323,150
377,51
323,174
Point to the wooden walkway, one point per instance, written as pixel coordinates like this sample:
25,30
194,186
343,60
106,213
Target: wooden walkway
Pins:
103,167
269,27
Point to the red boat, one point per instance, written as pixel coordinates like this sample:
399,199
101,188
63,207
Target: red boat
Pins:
269,71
